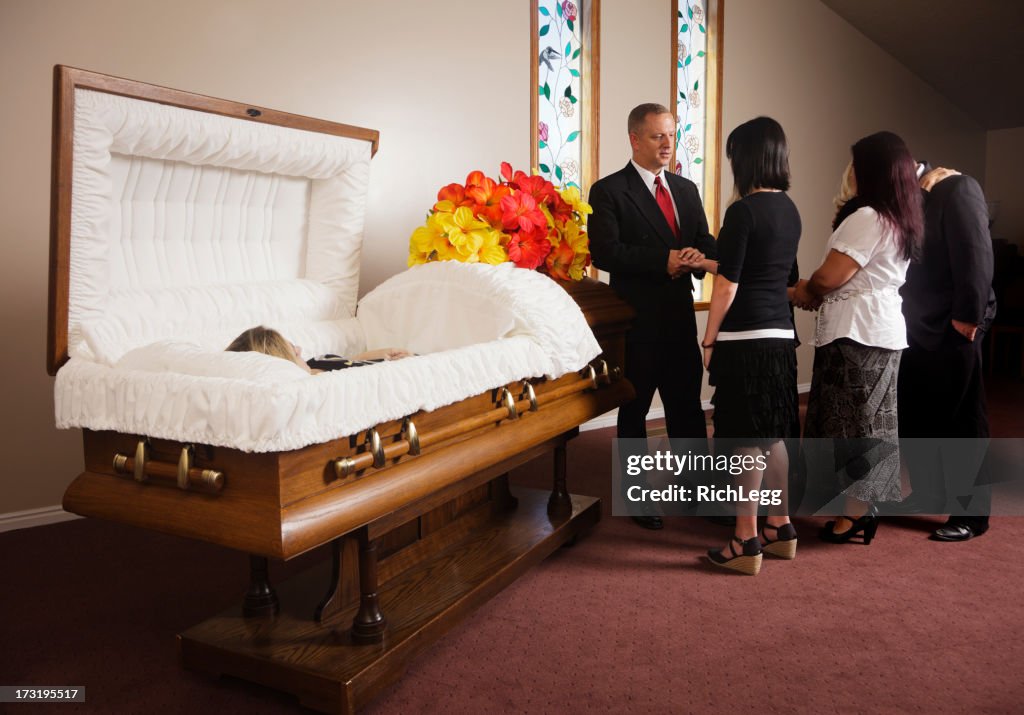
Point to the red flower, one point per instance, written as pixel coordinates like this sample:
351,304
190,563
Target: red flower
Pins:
528,249
519,211
506,171
542,190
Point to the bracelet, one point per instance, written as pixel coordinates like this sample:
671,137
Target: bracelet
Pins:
706,347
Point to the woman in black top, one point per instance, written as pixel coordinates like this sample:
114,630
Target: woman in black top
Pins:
749,345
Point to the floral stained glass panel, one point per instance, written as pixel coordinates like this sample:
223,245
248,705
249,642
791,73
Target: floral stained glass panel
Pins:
559,88
691,92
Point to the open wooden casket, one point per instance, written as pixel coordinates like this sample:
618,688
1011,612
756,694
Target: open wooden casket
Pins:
179,221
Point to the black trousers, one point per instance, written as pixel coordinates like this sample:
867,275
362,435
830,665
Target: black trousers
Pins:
941,393
675,370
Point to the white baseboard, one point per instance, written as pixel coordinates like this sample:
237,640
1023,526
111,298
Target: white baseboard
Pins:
608,419
34,517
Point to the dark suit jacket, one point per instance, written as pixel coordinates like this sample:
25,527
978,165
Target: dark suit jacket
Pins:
953,278
630,238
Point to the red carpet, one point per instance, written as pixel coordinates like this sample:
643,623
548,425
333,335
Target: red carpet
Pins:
627,620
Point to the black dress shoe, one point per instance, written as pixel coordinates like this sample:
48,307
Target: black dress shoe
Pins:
651,521
956,532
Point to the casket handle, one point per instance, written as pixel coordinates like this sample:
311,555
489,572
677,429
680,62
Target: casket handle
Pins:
183,474
603,373
509,403
411,435
531,395
376,447
592,376
141,455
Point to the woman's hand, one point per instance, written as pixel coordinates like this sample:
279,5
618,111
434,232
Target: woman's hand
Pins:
707,356
802,298
383,354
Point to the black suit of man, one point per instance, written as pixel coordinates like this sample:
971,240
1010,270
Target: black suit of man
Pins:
630,238
940,391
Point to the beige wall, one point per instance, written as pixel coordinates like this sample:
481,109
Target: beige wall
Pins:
1004,182
448,91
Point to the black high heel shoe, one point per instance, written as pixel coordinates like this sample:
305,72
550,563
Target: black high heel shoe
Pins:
863,528
747,560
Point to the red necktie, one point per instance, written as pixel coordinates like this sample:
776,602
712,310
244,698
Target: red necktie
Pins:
665,203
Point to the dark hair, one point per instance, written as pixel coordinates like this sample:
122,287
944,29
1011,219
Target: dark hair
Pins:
639,115
886,175
759,156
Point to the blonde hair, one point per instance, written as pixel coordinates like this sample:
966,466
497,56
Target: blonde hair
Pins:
847,187
263,340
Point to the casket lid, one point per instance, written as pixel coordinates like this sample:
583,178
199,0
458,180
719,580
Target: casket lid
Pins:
68,176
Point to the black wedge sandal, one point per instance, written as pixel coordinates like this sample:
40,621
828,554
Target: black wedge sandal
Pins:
783,546
747,560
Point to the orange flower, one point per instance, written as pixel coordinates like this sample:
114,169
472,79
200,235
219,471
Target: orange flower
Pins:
454,193
559,261
542,190
487,196
519,211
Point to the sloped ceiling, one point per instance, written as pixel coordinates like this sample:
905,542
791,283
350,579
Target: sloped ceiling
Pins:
970,51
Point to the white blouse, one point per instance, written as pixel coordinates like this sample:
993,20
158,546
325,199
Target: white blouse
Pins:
867,308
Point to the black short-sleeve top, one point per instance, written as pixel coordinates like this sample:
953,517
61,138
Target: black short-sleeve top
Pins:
757,250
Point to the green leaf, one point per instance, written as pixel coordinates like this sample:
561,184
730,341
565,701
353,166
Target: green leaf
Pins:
547,90
542,145
698,160
689,10
573,183
568,91
544,168
680,13
572,137
680,64
558,172
558,8
544,11
577,52
702,29
568,48
701,53
572,99
682,94
695,85
687,127
679,135
684,28
544,30
689,59
569,25
574,73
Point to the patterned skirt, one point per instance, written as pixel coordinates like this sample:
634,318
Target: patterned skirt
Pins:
853,400
755,396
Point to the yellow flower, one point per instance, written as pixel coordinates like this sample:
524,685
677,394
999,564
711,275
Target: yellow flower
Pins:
466,233
572,197
493,250
580,245
430,242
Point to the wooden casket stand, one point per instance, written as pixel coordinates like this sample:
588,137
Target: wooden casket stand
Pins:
422,522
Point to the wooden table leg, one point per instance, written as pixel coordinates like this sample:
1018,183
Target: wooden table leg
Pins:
369,624
341,592
260,599
560,503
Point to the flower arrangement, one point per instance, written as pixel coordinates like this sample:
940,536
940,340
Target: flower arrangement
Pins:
523,219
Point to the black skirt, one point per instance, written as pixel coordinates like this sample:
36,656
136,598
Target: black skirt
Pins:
755,396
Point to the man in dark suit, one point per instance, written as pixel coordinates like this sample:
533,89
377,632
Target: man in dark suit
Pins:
648,230
948,304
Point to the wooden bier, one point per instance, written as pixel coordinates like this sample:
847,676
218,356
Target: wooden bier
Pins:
422,522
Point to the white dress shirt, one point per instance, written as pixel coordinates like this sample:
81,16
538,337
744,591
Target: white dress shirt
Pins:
648,179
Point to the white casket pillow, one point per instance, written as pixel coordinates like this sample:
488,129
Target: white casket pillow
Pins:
191,359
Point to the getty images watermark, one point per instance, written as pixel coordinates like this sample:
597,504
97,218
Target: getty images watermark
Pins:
701,478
